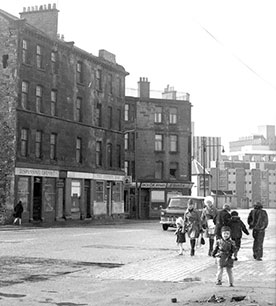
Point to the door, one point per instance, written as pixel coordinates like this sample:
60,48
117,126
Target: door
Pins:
37,199
87,198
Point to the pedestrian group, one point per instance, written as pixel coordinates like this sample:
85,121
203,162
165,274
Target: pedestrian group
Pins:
224,231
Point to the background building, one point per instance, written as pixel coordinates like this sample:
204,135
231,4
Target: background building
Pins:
157,149
61,125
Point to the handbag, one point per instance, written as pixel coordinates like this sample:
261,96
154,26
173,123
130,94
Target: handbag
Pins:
202,240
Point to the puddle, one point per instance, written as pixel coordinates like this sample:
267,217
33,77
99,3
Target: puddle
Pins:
12,295
192,279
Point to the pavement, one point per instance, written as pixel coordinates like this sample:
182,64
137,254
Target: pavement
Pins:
165,278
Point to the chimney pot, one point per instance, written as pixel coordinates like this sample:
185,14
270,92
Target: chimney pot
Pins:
41,8
49,6
45,7
24,9
54,6
36,8
32,8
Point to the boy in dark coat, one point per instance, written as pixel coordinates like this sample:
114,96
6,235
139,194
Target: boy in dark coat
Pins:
223,219
225,247
237,227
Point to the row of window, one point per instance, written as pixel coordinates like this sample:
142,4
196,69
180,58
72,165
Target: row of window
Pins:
24,149
158,114
40,106
129,142
159,170
41,62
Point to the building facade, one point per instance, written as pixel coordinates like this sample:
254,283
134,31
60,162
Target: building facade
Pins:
157,150
61,122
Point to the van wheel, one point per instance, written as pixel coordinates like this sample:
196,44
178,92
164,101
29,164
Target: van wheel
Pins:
165,227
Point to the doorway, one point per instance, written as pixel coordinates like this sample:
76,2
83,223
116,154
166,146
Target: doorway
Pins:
37,199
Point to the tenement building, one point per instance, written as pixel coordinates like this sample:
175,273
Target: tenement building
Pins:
157,149
61,123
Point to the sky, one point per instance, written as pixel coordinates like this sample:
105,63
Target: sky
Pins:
223,53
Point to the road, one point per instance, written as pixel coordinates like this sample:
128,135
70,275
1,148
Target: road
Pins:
125,264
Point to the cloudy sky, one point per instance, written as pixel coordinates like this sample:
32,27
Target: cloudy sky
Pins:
223,53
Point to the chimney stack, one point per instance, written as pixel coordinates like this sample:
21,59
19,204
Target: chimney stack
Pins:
44,18
144,88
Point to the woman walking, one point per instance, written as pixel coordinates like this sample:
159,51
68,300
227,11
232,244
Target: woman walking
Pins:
192,224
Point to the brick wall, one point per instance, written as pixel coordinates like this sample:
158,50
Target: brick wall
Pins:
8,95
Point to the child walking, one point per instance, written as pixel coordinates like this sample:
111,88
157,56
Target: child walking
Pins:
180,234
225,247
237,227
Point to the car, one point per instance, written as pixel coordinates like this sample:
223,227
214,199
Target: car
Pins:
177,206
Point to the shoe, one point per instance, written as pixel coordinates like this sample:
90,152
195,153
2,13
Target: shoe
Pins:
235,258
219,283
254,256
259,259
181,253
231,285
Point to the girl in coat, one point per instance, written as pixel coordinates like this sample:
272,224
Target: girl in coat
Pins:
180,234
192,224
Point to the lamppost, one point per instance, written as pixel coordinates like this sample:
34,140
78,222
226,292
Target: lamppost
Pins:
204,145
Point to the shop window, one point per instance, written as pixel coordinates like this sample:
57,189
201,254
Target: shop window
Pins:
23,191
116,192
99,191
173,115
49,193
76,189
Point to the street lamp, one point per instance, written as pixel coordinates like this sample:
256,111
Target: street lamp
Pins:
204,145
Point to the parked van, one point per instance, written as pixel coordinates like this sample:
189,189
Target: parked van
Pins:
177,206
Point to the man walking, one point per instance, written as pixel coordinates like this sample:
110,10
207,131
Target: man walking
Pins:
258,222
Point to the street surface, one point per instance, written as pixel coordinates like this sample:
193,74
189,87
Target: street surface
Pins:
131,263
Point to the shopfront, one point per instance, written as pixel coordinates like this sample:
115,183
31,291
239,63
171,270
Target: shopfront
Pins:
36,188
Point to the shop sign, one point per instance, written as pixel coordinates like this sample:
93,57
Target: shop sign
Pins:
167,185
95,176
36,172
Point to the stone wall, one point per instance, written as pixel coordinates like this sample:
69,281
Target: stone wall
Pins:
8,95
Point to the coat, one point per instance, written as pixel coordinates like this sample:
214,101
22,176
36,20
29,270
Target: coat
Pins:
224,250
257,219
237,227
223,219
192,223
208,219
18,210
